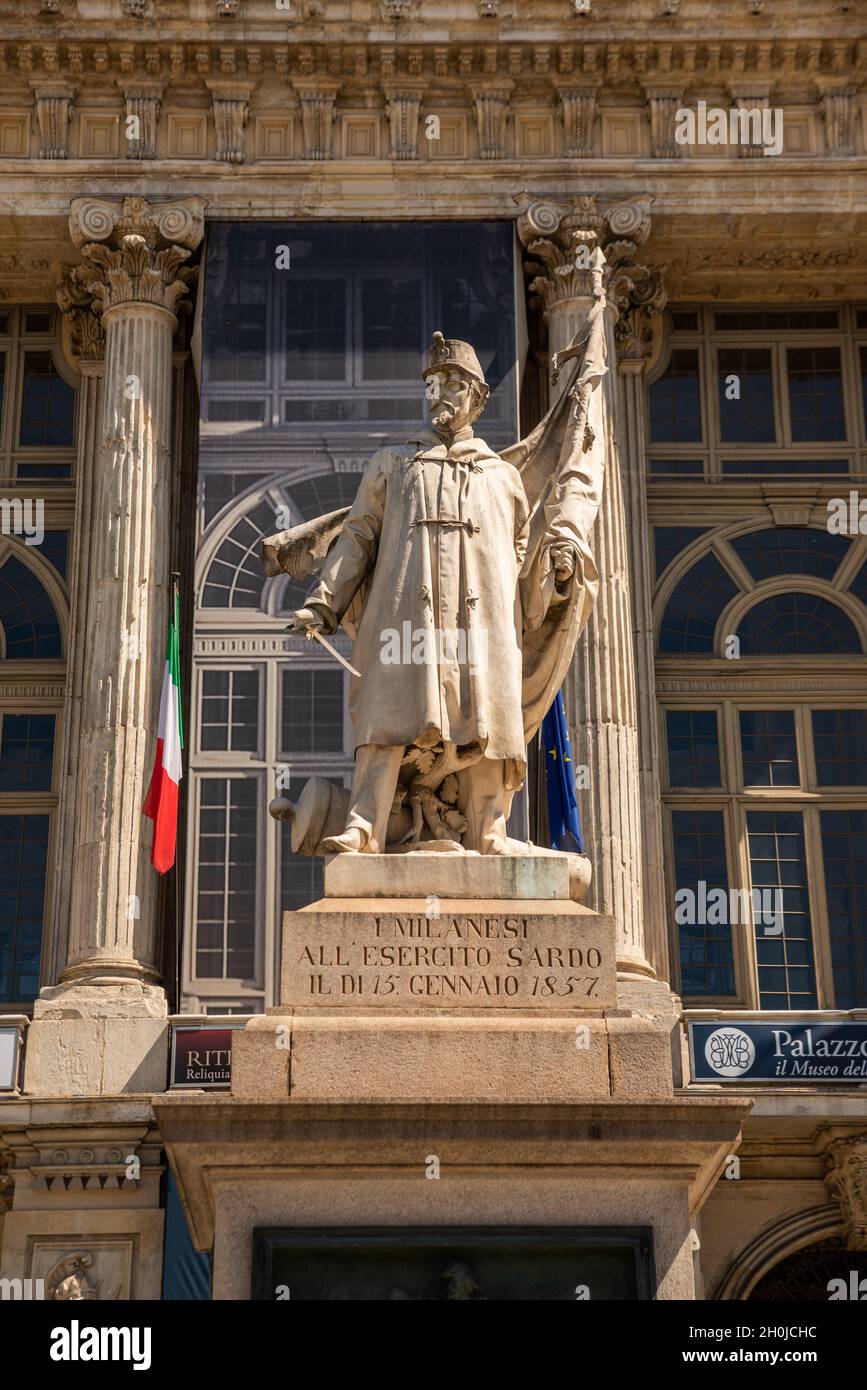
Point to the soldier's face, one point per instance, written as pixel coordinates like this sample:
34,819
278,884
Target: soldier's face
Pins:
453,401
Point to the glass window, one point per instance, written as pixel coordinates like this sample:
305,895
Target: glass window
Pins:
47,404
38,320
391,308
675,400
676,468
312,710
706,953
840,746
746,395
736,468
693,748
815,393
27,616
316,328
769,748
791,550
26,752
230,711
844,848
226,888
23,860
669,541
235,577
863,353
684,321
774,320
55,548
2,387
784,939
694,609
788,624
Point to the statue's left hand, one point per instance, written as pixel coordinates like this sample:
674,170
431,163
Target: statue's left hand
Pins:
563,560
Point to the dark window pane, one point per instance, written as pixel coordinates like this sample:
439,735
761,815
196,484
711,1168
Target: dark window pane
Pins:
684,321
669,541
55,548
863,354
26,752
774,320
840,746
781,910
815,393
789,624
746,375
391,310
235,578
859,584
47,404
693,748
23,858
27,616
769,748
326,492
706,955
791,550
316,330
690,619
844,847
230,711
300,874
226,896
737,468
2,387
675,401
676,468
312,711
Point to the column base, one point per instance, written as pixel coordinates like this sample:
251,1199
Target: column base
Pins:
97,1039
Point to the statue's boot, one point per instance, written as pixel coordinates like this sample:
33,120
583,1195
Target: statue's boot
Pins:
352,841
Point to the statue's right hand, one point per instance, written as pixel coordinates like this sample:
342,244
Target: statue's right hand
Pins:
304,618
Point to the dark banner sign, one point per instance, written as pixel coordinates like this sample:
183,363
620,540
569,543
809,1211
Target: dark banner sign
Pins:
790,1051
202,1057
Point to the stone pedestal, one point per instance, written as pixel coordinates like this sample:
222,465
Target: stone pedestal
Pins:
475,1039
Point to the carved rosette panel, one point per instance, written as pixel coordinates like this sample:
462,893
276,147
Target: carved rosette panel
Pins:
132,252
846,1176
560,239
317,100
143,103
53,114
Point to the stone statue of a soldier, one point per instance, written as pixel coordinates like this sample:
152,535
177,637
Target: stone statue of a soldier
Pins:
464,577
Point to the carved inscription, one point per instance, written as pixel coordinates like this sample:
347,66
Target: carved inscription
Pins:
501,960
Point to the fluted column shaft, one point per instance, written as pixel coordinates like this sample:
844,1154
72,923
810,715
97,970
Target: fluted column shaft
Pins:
112,925
599,691
631,430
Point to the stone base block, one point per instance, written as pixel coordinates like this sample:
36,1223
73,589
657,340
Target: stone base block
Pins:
97,1040
545,874
437,1057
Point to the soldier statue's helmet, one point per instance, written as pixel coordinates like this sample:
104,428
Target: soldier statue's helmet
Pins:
451,352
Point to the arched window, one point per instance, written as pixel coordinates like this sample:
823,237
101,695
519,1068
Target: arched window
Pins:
793,872
695,606
795,624
27,615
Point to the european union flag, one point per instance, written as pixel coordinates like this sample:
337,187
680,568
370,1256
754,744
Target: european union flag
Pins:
563,823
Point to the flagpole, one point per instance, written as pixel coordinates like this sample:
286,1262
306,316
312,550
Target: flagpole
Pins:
175,584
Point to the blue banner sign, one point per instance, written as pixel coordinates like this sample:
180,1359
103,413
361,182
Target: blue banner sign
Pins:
790,1051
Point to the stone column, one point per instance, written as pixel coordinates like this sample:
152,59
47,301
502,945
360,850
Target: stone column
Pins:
600,692
133,273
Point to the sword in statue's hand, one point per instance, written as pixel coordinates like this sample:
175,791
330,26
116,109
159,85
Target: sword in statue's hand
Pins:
311,631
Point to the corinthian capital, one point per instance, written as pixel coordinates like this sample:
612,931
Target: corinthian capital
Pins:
132,252
560,238
846,1176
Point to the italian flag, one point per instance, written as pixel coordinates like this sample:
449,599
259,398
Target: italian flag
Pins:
161,802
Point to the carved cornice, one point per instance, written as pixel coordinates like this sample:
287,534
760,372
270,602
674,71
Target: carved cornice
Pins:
318,98
231,105
560,238
403,102
143,100
846,1177
54,101
132,253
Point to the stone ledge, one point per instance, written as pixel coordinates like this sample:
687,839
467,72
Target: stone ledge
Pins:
547,875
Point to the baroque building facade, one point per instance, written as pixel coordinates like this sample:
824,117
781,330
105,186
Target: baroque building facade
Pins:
227,230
